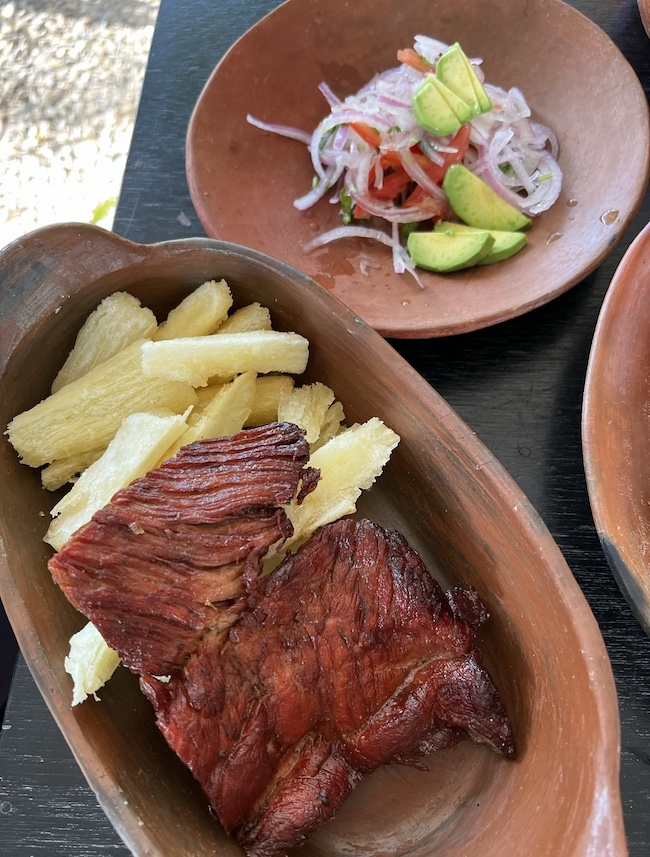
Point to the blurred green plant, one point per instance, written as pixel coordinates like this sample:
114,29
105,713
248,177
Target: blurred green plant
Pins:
103,209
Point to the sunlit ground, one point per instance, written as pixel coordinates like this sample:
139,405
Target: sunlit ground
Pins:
70,78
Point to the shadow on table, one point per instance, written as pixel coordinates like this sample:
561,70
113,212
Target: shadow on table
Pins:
8,653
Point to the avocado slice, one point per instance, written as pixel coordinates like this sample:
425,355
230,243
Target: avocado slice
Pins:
456,72
506,244
443,252
461,108
476,204
485,104
439,110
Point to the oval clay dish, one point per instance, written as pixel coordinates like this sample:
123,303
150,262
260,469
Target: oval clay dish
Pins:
442,488
616,426
243,180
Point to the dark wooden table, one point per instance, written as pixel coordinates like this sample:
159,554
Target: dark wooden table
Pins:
518,385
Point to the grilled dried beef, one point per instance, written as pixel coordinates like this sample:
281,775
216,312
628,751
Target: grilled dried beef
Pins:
347,657
170,557
350,658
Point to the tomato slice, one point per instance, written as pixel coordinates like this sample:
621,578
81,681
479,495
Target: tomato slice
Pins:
393,185
436,172
461,143
421,199
368,134
397,182
410,57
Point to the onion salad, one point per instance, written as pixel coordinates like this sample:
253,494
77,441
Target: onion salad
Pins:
385,171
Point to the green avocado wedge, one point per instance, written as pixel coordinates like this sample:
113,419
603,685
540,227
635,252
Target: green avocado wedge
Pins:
457,73
506,244
443,252
439,110
475,203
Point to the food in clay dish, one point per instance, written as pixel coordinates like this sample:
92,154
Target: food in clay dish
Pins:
441,487
426,141
352,44
348,657
280,693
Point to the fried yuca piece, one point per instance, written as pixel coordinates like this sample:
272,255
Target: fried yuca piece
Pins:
268,391
204,395
86,413
306,407
349,463
136,448
224,415
118,321
66,469
248,318
91,662
197,359
200,313
332,425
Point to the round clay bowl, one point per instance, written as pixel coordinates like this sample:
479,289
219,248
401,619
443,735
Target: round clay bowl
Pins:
616,426
243,180
442,488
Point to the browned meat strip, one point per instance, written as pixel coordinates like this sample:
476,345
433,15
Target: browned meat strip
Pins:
352,657
171,555
278,696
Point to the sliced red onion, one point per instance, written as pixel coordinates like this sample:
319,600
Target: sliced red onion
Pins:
340,139
399,142
521,176
507,136
548,189
399,262
544,135
418,175
515,106
387,210
319,190
348,232
516,156
282,130
332,99
379,173
430,49
358,180
402,262
433,152
392,102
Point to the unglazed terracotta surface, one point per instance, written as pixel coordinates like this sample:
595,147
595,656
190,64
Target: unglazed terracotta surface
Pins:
243,180
616,426
442,488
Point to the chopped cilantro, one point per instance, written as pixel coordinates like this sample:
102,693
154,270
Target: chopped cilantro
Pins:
406,229
346,206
